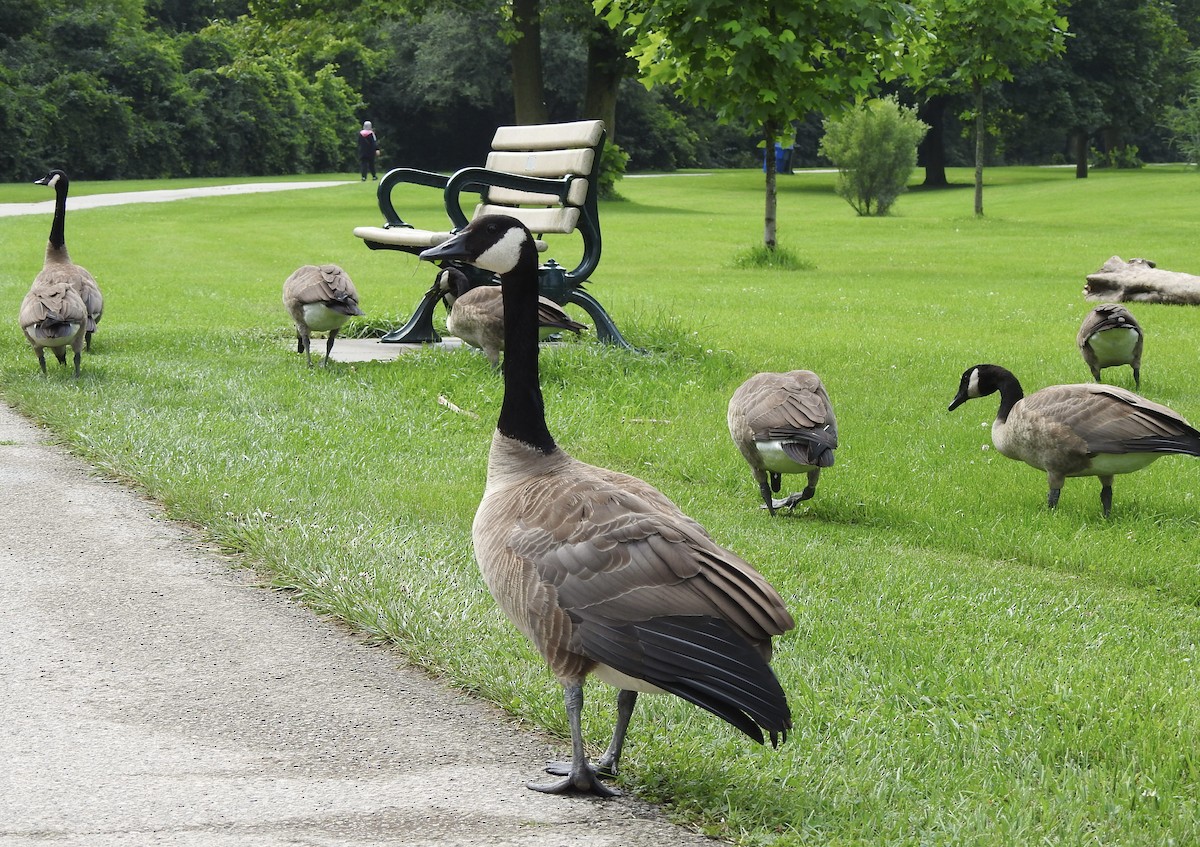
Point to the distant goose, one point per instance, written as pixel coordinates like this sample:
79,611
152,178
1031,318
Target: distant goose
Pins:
53,315
600,570
319,299
1111,336
477,314
783,423
58,266
1078,430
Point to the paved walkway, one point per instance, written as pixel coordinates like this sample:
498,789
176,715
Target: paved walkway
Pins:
150,694
120,198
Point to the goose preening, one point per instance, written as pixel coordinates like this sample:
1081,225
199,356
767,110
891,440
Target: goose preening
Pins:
58,266
783,423
1078,430
600,570
320,298
53,315
477,313
1111,336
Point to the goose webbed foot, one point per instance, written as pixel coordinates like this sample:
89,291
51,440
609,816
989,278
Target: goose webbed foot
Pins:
1052,497
791,500
584,781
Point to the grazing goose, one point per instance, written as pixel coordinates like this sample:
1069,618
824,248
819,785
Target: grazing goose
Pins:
58,266
1111,336
477,314
600,570
53,315
319,299
783,423
1078,430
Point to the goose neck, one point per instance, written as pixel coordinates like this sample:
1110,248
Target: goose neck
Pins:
59,225
1011,393
523,412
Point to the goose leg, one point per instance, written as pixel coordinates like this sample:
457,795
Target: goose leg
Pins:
1137,377
299,342
78,357
768,501
1106,494
329,346
606,766
791,500
580,776
1056,484
41,354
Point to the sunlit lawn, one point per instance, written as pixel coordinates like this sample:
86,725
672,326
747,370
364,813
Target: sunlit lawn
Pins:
967,667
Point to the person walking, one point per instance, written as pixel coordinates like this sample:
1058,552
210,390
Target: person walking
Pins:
368,149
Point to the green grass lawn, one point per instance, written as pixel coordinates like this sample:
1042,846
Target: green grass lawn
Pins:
967,667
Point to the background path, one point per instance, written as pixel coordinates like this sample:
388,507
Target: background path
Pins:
93,201
150,694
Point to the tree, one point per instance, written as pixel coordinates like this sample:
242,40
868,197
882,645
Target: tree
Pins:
978,42
764,63
874,148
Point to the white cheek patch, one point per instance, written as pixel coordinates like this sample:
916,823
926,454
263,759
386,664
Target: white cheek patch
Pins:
502,256
973,384
53,180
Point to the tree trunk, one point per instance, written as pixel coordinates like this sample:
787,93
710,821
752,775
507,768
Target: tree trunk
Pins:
769,220
977,87
932,150
529,91
606,64
1079,149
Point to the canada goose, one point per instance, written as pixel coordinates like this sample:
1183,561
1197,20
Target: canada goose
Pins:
600,570
53,315
319,299
477,314
58,266
1111,336
1078,430
783,423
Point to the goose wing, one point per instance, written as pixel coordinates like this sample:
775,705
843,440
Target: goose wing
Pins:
553,316
51,301
1112,420
793,408
326,284
619,576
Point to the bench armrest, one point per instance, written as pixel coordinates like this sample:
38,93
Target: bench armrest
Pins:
399,176
480,178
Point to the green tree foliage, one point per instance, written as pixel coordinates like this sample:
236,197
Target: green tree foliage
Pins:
1183,121
102,90
764,64
976,43
874,148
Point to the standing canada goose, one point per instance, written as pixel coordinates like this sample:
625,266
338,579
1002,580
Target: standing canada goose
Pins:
1111,336
477,314
58,266
783,423
600,570
319,299
1078,430
53,315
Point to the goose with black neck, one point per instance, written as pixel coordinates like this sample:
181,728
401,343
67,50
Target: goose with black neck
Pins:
599,569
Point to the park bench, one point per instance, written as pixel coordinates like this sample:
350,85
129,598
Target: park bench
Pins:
546,175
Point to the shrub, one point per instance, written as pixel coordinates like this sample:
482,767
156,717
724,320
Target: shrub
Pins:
874,148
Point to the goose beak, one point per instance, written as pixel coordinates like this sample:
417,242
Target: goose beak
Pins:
454,248
959,398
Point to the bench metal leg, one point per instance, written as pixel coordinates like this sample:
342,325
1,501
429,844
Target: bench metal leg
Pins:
419,329
606,330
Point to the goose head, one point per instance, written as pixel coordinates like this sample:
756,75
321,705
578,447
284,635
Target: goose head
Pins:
56,179
497,243
980,381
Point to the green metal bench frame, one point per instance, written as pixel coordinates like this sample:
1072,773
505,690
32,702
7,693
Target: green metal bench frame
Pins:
565,202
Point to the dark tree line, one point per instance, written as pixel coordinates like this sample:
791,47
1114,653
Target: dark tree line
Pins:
158,88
